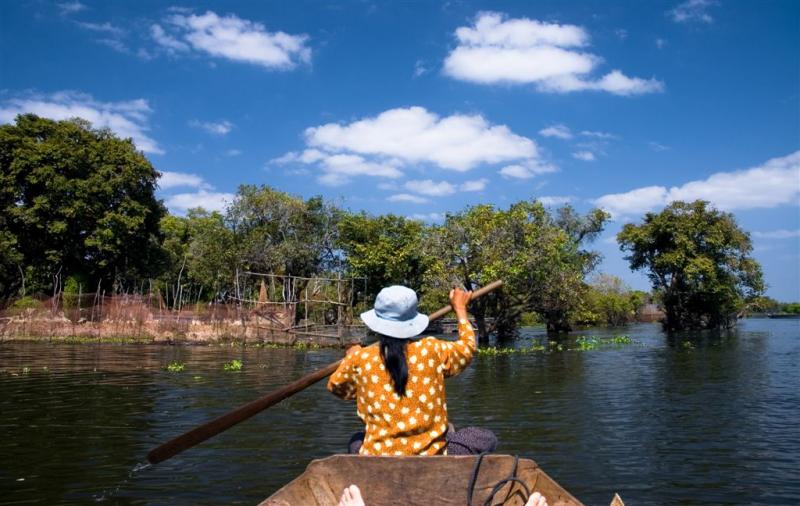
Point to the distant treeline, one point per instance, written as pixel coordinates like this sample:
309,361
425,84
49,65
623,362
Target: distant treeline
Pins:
79,210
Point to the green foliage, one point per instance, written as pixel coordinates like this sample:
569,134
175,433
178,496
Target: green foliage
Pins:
234,365
581,343
584,343
24,303
790,308
607,300
529,319
385,249
176,366
698,261
539,256
277,232
76,200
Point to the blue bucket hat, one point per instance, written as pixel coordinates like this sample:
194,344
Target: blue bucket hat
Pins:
395,313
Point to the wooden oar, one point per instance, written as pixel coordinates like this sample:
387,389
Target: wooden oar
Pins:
242,413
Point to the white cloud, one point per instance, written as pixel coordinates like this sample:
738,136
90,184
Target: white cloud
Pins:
657,147
232,38
586,156
167,41
178,179
339,168
772,184
474,186
396,139
413,135
527,171
429,217
497,50
554,200
102,27
407,197
126,119
598,135
208,200
660,43
443,188
233,152
204,195
223,127
70,7
420,68
559,131
636,201
693,11
430,187
777,234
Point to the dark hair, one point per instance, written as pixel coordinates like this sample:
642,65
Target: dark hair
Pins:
393,353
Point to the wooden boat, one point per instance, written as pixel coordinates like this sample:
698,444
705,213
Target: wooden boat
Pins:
439,480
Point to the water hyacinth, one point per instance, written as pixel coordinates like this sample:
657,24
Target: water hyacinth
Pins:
582,343
176,366
234,365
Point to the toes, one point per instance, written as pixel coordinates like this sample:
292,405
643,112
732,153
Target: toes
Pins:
356,493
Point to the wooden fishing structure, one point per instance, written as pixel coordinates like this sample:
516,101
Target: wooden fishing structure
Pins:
316,309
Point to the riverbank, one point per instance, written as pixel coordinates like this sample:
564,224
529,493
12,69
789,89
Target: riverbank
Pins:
60,329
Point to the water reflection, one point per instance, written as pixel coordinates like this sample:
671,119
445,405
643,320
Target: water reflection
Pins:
659,421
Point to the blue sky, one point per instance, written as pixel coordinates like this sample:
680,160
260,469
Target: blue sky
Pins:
420,108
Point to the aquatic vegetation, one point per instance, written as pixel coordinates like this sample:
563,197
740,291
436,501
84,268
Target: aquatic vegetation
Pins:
234,365
176,366
687,345
582,343
26,370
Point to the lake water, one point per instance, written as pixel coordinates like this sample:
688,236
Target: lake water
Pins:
716,421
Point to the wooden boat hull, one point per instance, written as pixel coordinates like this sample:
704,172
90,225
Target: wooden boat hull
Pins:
440,480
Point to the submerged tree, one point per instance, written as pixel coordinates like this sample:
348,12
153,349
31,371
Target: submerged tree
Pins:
76,201
698,260
540,258
608,300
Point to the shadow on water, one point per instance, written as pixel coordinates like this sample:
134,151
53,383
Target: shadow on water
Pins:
660,421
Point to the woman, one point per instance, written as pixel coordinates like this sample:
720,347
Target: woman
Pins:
399,385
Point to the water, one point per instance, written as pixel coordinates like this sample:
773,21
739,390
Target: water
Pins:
658,422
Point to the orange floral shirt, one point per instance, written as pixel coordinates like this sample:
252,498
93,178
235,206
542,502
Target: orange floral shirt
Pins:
413,424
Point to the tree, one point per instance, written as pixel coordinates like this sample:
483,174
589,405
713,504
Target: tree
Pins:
75,201
698,260
280,233
385,249
540,258
608,300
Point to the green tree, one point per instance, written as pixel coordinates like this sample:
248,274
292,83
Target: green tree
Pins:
698,260
280,233
76,201
539,256
608,300
385,249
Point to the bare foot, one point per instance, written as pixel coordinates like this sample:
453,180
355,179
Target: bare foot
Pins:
352,497
536,499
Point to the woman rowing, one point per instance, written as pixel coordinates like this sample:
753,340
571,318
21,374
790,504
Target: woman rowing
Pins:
399,385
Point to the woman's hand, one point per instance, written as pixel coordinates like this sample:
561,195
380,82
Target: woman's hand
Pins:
459,299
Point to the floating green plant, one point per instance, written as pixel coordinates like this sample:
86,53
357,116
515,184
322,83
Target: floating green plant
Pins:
233,365
176,366
584,343
26,370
